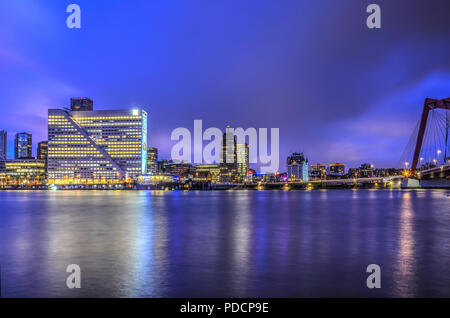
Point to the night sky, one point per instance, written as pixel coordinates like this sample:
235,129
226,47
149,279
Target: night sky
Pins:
337,90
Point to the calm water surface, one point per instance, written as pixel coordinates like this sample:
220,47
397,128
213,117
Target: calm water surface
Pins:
225,244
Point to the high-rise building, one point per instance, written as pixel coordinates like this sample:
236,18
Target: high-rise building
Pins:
228,157
42,151
297,167
3,145
23,146
96,146
81,103
152,158
242,154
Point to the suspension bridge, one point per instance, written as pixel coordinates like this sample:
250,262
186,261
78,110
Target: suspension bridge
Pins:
427,155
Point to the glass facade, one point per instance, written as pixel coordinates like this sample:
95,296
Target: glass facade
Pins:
152,158
228,157
95,147
242,152
23,146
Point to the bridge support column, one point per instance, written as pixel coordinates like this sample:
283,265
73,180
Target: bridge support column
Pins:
408,183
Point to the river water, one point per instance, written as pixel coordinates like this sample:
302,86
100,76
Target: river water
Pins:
225,243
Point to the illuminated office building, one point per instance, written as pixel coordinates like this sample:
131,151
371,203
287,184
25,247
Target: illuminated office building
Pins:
213,171
22,171
336,169
3,144
101,146
180,169
242,154
228,158
152,158
318,171
23,146
228,154
365,170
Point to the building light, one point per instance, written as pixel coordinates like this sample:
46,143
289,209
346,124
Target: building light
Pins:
135,112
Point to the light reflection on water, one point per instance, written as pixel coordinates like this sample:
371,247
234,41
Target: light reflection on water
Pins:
405,267
225,244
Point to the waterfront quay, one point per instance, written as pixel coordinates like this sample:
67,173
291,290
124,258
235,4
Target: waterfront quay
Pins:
168,183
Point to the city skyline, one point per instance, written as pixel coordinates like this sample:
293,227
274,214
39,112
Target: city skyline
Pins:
353,106
84,105
239,153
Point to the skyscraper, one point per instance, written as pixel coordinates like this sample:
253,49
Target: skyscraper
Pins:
96,146
297,167
3,144
152,158
23,146
242,153
228,157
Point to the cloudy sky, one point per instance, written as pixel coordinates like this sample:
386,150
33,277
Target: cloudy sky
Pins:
337,90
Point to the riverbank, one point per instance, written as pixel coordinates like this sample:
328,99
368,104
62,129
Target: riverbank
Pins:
422,184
